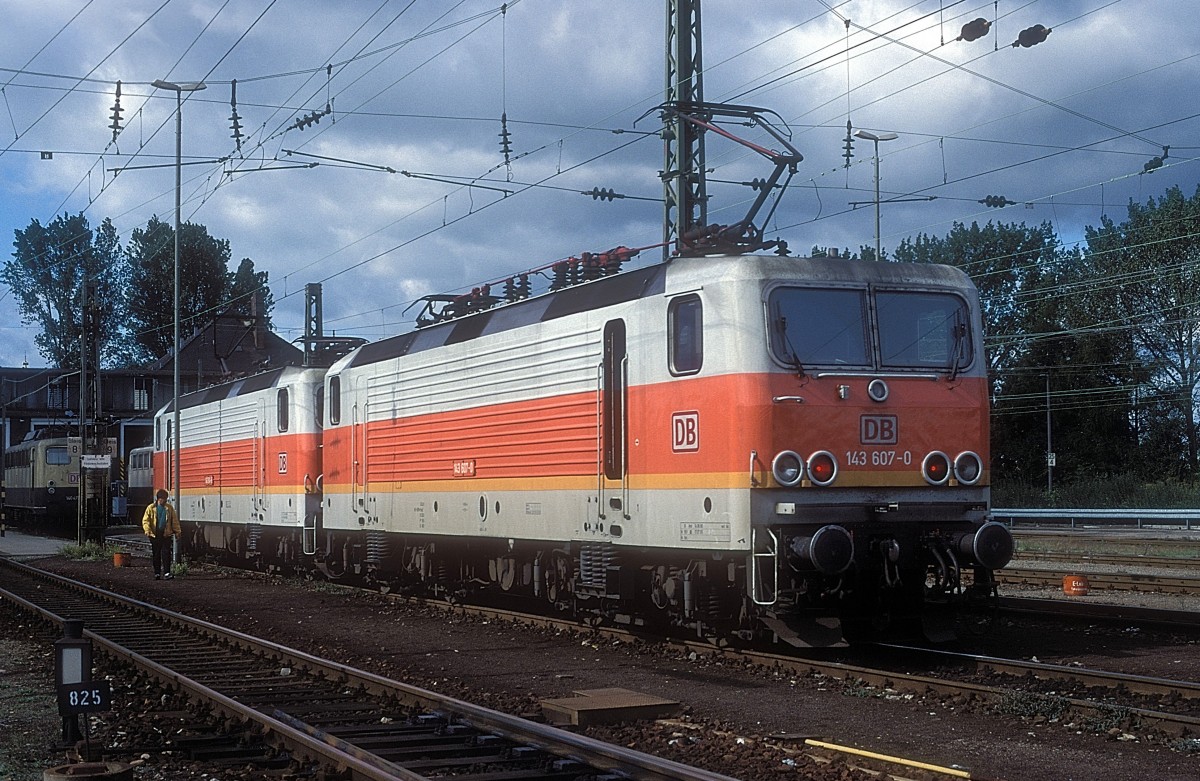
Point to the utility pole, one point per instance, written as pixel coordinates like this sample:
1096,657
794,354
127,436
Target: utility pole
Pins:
685,196
95,460
1050,458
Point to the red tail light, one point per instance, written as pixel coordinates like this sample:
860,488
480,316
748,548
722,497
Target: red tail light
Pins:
822,468
936,468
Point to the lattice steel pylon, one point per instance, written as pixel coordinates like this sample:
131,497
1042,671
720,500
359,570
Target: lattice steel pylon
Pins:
685,196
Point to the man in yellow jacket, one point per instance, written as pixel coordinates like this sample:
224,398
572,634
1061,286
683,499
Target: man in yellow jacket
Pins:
161,524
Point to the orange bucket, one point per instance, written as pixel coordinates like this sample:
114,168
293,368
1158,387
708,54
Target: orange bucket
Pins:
120,559
1075,585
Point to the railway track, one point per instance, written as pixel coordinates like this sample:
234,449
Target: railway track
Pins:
1118,581
1098,611
309,710
1170,706
1111,559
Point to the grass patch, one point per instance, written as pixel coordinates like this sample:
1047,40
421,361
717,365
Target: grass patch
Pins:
1094,493
89,551
1029,704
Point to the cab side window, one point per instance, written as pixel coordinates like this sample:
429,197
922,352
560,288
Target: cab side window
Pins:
281,405
335,400
685,334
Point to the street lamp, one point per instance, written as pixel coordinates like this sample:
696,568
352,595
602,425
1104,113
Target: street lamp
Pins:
178,89
876,138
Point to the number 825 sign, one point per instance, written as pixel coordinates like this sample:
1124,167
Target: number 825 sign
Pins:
84,697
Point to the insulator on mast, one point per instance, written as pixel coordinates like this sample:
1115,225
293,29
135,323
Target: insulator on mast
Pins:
116,114
236,125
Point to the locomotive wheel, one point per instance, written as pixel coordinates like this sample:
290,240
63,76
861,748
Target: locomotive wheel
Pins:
558,575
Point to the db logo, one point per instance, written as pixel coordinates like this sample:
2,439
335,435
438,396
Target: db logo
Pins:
878,430
685,432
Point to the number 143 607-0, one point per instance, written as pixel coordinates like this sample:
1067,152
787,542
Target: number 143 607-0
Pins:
878,457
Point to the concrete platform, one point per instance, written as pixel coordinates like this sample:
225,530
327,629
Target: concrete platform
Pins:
607,706
24,547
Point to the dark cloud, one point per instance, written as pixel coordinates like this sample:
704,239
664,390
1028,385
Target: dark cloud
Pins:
1063,128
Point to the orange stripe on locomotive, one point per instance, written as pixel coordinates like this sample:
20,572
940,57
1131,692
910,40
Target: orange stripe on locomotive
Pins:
531,441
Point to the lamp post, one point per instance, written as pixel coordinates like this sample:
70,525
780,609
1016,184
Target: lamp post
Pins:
178,89
876,138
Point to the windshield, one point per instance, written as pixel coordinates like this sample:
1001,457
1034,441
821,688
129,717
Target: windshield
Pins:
831,327
820,327
922,330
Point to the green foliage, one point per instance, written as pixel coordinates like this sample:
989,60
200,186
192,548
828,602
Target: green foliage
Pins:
207,287
1030,704
1187,745
1123,490
89,551
1105,339
179,569
49,266
203,283
249,293
1150,266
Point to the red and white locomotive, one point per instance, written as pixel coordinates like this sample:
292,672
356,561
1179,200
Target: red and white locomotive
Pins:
732,443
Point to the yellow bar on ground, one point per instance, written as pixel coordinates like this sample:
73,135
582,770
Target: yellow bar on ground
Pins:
885,758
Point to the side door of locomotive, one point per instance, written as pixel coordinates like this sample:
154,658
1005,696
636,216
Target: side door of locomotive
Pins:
262,422
358,446
612,486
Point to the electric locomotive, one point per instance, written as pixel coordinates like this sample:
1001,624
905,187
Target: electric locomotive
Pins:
41,480
738,443
249,466
725,443
140,490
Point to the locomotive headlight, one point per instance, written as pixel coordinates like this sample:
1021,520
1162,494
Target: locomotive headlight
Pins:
968,468
788,468
936,468
822,468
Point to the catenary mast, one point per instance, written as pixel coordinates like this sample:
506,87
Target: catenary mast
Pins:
685,199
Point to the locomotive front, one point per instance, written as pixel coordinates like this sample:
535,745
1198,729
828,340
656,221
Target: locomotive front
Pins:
871,450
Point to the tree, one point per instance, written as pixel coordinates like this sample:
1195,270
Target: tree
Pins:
1039,315
1151,263
46,275
999,258
204,284
245,285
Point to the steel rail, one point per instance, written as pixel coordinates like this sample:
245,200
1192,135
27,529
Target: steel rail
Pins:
285,735
1109,559
1060,608
1176,724
580,748
1142,684
1117,581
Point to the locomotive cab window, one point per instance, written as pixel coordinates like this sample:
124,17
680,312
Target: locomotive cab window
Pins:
923,330
814,327
57,456
685,334
281,403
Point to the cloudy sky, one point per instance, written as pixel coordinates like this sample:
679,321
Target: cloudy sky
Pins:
410,193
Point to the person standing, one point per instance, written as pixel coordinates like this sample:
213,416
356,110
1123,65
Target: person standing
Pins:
160,524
